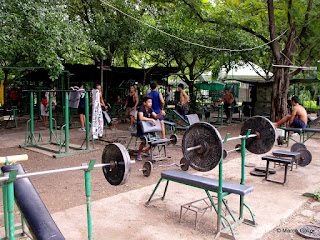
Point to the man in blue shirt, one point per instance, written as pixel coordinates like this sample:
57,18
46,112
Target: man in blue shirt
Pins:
157,104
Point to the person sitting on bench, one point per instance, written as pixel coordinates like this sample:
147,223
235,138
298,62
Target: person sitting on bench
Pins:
228,100
146,113
298,118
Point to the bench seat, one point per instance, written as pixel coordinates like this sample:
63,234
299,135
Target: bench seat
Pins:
277,160
206,183
288,154
182,128
169,123
317,130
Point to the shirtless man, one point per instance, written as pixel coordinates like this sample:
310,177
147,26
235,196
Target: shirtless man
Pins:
131,105
228,100
298,118
184,99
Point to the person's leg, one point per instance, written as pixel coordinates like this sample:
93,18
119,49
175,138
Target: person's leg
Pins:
139,152
82,120
45,119
163,129
282,121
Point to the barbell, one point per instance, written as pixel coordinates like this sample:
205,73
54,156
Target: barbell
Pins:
202,145
236,149
148,167
116,166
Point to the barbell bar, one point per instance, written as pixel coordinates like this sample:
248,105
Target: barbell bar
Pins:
148,167
236,149
202,145
144,140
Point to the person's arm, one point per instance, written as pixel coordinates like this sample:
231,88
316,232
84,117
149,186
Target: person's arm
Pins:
293,114
136,101
157,116
142,118
161,101
218,103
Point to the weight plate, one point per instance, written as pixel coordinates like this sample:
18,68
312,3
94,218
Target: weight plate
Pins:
257,173
297,146
120,169
173,139
144,141
309,231
280,140
250,165
305,157
263,169
239,147
266,131
225,154
184,164
206,135
147,168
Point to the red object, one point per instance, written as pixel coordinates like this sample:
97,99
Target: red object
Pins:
14,95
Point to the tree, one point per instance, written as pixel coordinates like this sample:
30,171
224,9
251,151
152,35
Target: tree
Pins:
266,21
39,34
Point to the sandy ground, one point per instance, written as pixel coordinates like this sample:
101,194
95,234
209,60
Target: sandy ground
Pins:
119,212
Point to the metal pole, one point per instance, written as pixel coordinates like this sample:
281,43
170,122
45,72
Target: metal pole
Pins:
220,196
243,157
5,208
10,201
88,197
87,121
31,116
50,117
66,119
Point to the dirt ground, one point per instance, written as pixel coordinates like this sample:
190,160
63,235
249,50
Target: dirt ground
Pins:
66,190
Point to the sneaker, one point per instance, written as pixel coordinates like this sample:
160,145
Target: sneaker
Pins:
130,128
295,134
82,129
135,124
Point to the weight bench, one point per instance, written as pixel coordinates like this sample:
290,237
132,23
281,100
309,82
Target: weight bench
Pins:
211,185
275,160
149,129
171,126
295,156
301,131
40,222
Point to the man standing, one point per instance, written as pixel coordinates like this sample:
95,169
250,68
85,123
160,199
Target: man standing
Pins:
184,99
132,103
298,118
157,105
81,107
227,100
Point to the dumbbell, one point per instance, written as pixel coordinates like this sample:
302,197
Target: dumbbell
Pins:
148,168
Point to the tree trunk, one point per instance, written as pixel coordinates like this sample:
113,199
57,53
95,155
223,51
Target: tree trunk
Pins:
280,93
5,83
192,96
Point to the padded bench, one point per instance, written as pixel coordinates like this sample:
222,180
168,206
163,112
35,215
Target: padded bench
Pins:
301,132
288,154
286,162
205,183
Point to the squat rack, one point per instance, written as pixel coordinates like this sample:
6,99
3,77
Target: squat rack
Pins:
30,137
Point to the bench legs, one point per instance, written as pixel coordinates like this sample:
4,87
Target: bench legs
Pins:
155,189
285,173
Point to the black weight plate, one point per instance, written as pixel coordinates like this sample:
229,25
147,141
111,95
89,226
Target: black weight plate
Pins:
173,139
225,154
263,169
147,169
120,172
202,134
264,127
309,231
238,146
280,140
250,165
257,173
184,164
297,146
305,157
144,141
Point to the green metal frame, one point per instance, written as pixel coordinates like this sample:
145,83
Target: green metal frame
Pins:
31,141
302,135
8,205
221,201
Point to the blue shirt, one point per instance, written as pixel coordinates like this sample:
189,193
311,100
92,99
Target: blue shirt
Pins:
155,101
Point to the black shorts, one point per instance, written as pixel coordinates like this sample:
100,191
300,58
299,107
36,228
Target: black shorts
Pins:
81,110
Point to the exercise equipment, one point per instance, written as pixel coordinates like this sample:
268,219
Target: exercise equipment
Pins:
297,146
236,149
202,148
148,167
309,231
30,137
116,166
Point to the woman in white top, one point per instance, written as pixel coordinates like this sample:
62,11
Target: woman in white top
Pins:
169,95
